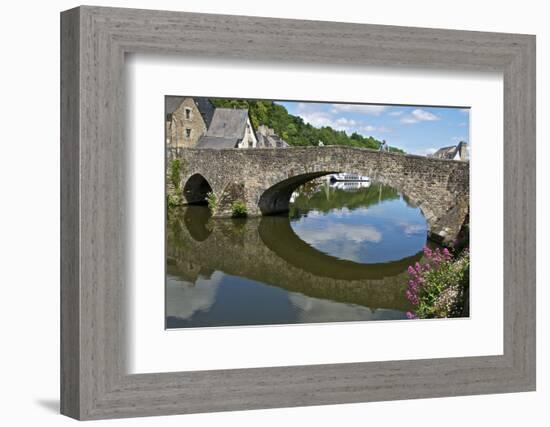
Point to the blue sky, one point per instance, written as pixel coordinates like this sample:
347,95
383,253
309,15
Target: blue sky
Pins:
415,129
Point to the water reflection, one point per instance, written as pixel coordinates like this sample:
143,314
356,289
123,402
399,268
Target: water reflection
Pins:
340,255
366,224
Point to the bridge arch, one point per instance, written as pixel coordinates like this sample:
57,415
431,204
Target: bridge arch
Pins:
197,223
321,275
196,189
276,198
277,235
264,179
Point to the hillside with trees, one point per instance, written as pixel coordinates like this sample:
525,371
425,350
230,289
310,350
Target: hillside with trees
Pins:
293,129
334,198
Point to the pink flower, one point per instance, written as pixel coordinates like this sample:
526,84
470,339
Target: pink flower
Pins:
411,315
427,252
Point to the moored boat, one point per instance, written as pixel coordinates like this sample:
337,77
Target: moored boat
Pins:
349,177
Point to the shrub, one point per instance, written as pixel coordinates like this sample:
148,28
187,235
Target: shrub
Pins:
175,171
238,209
173,201
212,201
438,287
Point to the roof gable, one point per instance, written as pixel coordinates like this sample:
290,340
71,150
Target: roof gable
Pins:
205,107
228,123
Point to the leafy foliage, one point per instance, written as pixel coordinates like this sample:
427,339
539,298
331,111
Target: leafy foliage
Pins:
293,129
173,201
438,287
175,198
238,209
334,198
175,172
212,201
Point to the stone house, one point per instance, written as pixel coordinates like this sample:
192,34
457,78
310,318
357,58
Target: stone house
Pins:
453,152
267,138
187,120
229,128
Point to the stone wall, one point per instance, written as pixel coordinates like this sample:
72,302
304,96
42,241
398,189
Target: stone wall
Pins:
267,177
246,249
181,122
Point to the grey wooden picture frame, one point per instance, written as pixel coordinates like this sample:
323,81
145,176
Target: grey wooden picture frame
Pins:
94,41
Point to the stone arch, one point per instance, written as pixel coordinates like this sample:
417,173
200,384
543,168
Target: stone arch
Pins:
196,223
414,195
196,189
276,198
267,177
277,234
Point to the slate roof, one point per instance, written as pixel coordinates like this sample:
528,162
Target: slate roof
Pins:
228,123
217,142
445,152
267,138
450,152
206,108
171,103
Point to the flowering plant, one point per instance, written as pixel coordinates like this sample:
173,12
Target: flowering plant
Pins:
438,287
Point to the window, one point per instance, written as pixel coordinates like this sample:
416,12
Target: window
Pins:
187,133
188,113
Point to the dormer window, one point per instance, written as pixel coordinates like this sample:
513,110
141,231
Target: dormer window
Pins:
187,133
188,113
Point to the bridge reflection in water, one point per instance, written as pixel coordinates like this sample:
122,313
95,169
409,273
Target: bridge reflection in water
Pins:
268,270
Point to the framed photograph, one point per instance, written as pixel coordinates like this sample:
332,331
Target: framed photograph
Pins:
262,213
285,212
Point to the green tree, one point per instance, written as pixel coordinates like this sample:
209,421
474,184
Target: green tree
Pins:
293,129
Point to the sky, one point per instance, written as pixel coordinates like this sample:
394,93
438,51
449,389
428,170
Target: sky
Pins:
415,129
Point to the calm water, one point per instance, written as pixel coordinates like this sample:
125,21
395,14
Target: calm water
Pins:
340,255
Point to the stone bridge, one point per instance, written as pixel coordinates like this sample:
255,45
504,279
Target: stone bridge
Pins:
267,250
264,179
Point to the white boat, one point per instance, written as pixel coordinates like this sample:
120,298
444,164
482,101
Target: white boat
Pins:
349,177
349,185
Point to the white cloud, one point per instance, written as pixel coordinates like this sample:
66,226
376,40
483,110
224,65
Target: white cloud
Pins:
184,299
372,110
348,232
396,113
321,119
338,237
313,310
411,229
342,121
419,115
318,117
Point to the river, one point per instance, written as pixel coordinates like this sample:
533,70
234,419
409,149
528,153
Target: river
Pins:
341,254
